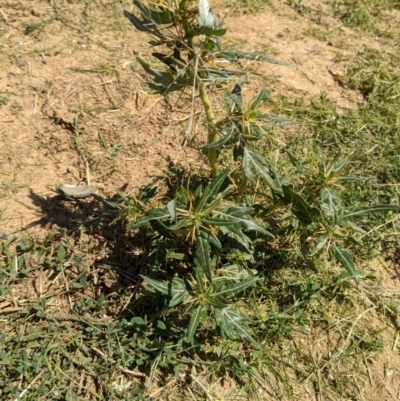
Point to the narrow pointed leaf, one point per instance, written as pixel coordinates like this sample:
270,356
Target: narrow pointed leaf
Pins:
202,256
236,242
182,197
215,221
155,16
161,286
295,163
357,228
211,238
233,289
246,222
231,321
199,275
164,81
136,22
302,210
321,242
152,215
254,162
179,225
236,55
372,209
211,191
235,101
261,98
346,261
171,206
228,136
218,302
236,229
175,289
197,316
175,64
196,31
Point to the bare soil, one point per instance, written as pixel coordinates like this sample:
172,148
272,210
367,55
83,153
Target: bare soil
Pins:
70,78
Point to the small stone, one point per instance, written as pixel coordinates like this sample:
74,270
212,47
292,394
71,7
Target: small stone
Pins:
37,13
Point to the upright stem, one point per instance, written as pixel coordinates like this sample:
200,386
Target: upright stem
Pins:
212,135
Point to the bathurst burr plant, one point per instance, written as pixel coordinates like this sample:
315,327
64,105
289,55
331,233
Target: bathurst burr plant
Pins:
216,237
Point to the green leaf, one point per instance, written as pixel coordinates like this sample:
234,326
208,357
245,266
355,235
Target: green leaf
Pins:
228,137
254,162
235,273
360,211
357,228
61,254
161,325
296,163
235,102
164,287
215,221
337,166
211,238
165,81
214,32
236,55
175,255
153,16
301,209
175,289
235,288
344,257
235,230
202,256
321,242
136,22
181,223
261,98
199,274
196,31
182,196
170,61
218,301
231,320
197,316
246,222
211,191
171,206
213,73
155,214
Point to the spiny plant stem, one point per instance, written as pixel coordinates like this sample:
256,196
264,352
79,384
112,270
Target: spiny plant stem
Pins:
212,135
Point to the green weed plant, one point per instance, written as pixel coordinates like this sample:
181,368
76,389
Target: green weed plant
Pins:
212,237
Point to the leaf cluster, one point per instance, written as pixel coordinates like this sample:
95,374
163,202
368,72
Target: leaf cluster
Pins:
204,232
192,35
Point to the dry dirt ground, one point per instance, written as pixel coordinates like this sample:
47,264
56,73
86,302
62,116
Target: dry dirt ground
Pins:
74,108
